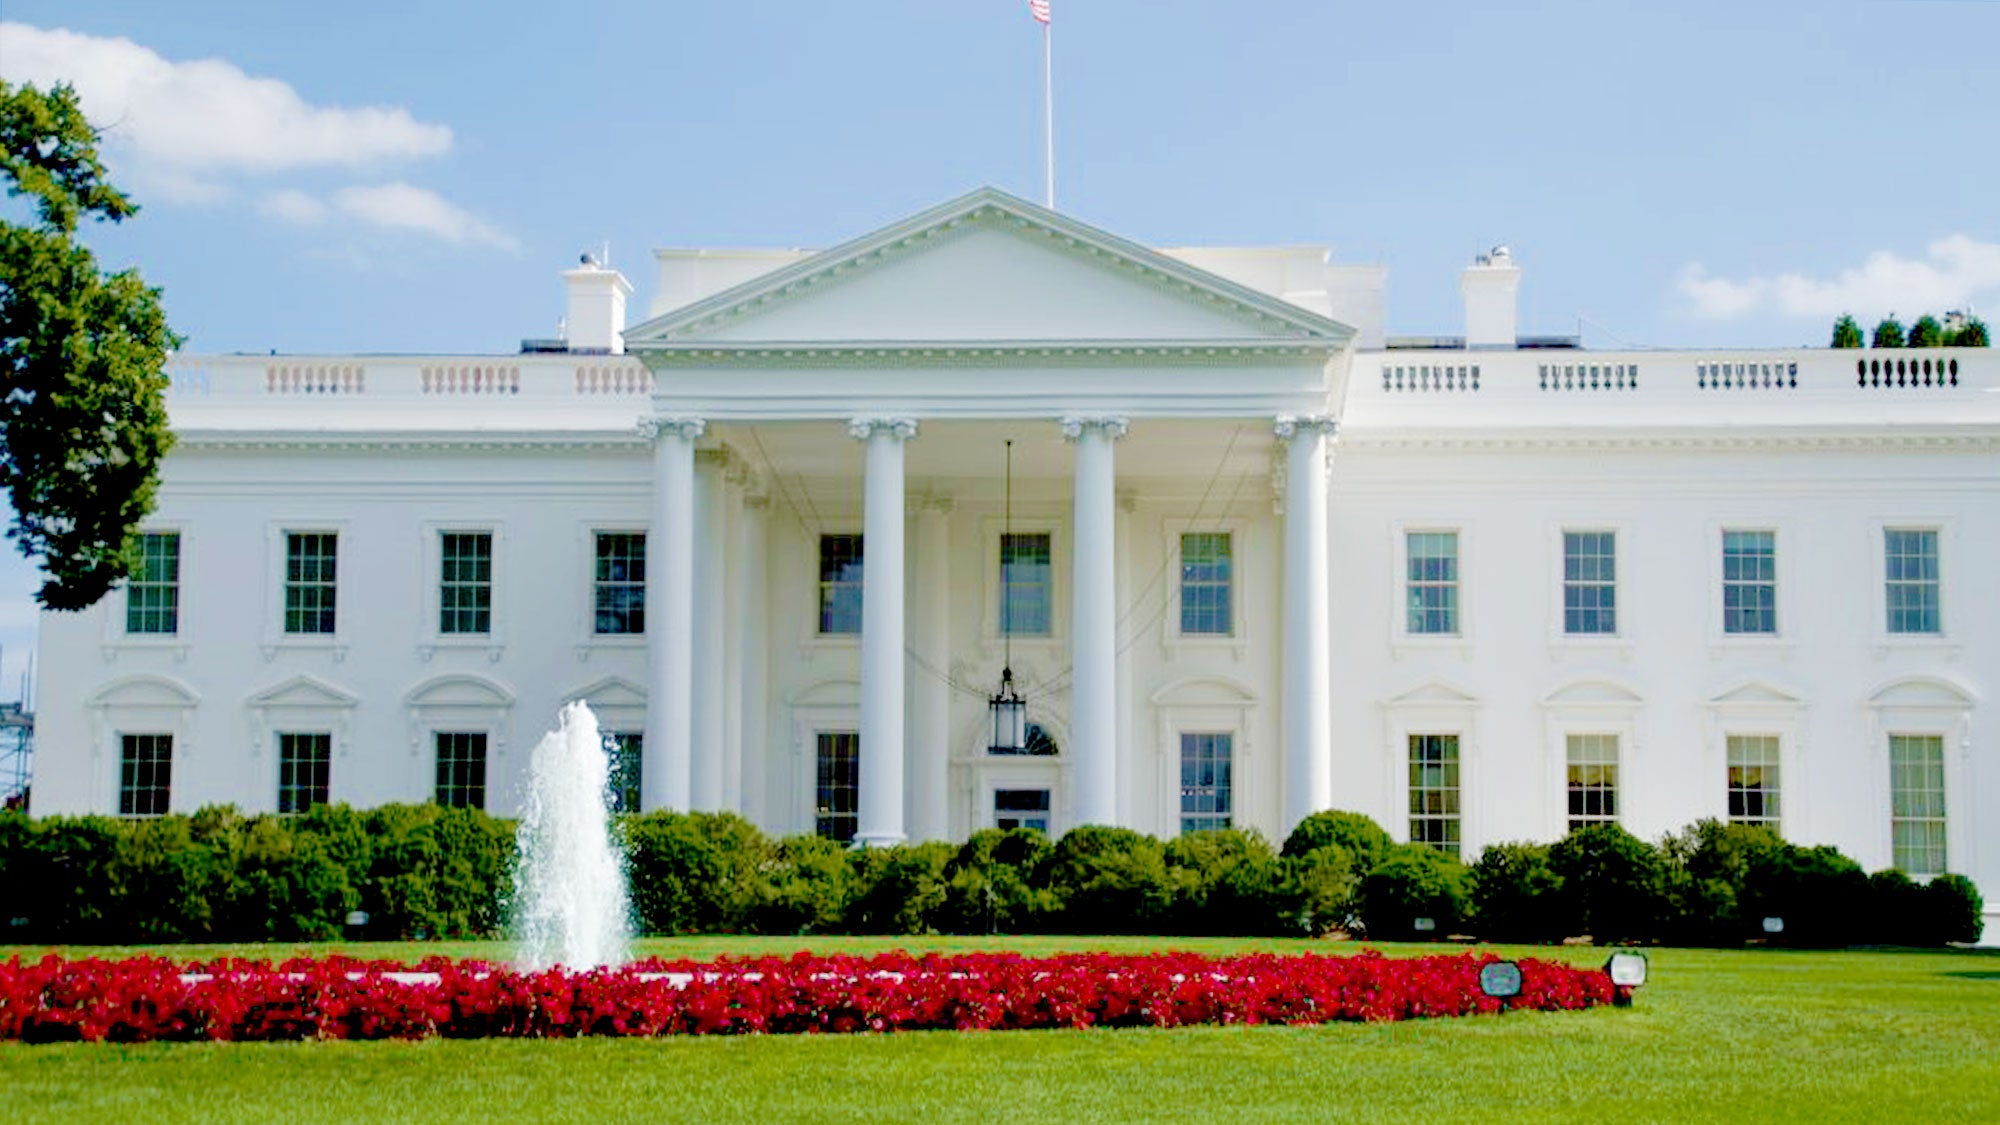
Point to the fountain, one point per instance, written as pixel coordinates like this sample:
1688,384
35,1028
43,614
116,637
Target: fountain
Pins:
570,906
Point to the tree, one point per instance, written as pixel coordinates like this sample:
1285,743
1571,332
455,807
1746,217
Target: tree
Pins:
1970,335
1846,333
83,421
1926,333
1889,333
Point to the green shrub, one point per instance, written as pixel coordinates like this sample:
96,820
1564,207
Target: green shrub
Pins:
1815,890
1895,910
1515,895
1708,866
1952,910
898,890
1364,840
1613,884
695,873
1325,888
1413,881
1228,881
804,889
995,884
287,886
1109,881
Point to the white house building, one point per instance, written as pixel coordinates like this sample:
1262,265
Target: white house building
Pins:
1253,558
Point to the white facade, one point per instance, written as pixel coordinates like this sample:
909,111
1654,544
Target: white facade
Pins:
1156,410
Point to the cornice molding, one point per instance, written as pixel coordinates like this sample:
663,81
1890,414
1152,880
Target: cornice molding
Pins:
1352,441
367,440
979,353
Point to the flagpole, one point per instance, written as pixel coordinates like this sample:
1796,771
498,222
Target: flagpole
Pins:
1048,119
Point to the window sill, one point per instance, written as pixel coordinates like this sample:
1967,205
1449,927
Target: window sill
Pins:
1737,644
609,642
493,649
1929,644
1183,645
326,642
1588,646
173,644
1404,645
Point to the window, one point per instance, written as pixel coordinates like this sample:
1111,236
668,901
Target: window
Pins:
1753,779
1027,584
620,583
840,570
1434,791
309,581
1205,585
1590,583
153,595
1205,790
303,763
465,583
627,760
1916,803
1593,779
1037,742
1021,808
1749,582
838,802
145,774
461,769
1433,581
1911,589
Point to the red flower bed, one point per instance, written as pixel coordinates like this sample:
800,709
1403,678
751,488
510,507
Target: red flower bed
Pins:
147,998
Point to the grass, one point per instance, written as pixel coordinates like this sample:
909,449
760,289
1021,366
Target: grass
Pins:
1721,1035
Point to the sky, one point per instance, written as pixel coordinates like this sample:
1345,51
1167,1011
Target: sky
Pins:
411,177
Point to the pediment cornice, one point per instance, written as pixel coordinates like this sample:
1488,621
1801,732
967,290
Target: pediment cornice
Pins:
1266,318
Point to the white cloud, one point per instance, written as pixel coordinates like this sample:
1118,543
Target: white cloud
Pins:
293,207
1956,272
400,206
189,124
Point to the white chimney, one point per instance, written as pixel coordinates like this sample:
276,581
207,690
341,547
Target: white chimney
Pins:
596,320
1491,285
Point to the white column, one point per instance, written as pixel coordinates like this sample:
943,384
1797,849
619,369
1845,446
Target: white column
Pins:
930,744
882,640
1093,731
756,764
732,681
711,611
1308,709
664,776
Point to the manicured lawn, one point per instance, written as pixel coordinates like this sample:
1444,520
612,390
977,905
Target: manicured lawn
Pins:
1752,1035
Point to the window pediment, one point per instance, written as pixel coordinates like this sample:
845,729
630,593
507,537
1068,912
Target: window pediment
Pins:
1922,692
145,691
303,691
460,690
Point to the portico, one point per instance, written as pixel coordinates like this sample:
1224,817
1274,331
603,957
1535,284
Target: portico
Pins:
927,345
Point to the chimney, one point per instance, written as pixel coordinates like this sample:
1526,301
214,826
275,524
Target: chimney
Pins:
1490,285
596,320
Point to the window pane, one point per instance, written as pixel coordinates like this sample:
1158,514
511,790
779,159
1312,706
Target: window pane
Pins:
1593,778
1206,567
837,801
1590,583
310,563
1749,582
152,595
620,583
1916,803
1027,591
840,570
1434,811
304,761
627,750
145,774
465,583
1205,780
461,769
1753,779
1432,581
1911,570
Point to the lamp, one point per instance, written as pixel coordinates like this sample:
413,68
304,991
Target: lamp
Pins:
1009,710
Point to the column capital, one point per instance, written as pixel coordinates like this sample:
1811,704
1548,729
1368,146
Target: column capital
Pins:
1112,425
1286,425
653,426
861,429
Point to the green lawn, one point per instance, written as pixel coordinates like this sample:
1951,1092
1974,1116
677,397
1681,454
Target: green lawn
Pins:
1883,1037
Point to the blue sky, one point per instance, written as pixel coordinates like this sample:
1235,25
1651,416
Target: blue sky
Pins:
377,177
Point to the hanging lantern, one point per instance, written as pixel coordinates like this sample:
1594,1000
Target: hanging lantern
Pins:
1010,717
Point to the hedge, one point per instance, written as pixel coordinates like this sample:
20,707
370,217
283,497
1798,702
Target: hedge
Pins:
421,871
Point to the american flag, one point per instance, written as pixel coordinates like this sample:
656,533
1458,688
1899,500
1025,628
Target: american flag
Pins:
1039,9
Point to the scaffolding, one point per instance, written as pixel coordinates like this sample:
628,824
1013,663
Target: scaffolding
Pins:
17,751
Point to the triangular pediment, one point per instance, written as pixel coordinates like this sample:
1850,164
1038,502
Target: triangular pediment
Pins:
987,268
1593,693
145,691
303,691
1433,693
611,691
1756,694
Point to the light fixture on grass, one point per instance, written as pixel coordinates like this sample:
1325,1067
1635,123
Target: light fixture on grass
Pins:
1008,710
1500,979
